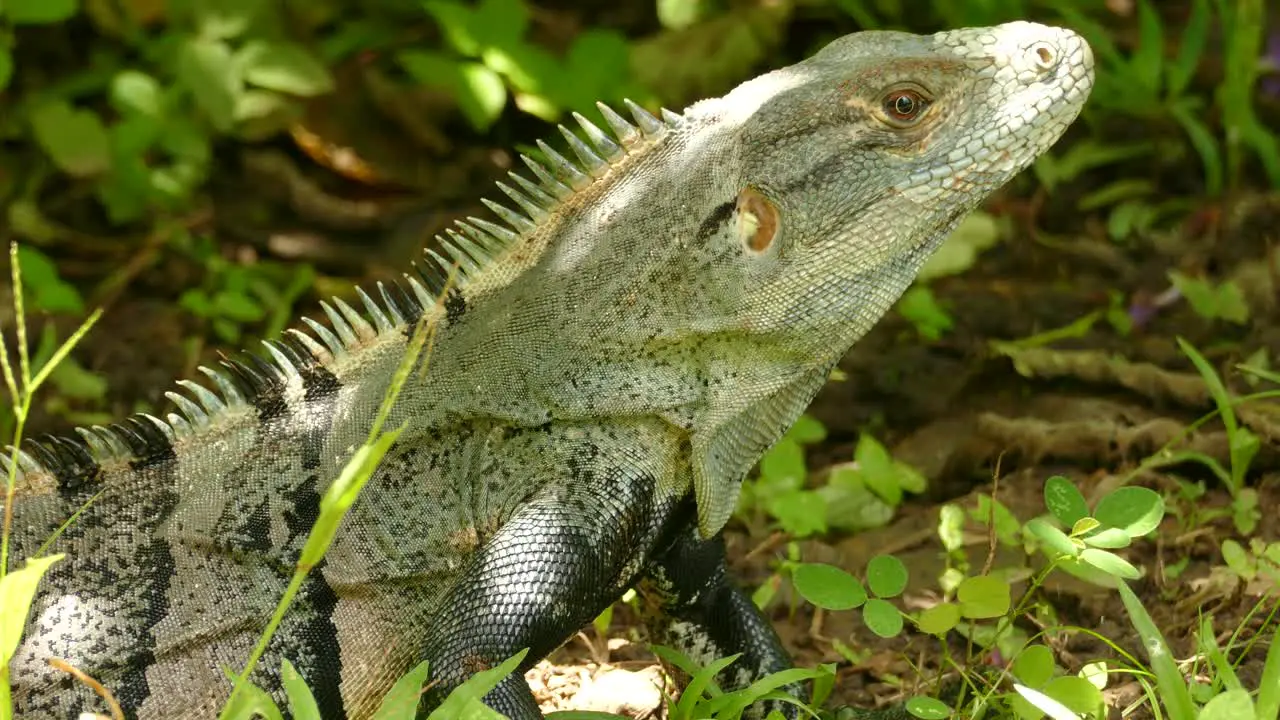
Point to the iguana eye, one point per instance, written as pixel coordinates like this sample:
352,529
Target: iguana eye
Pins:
757,220
904,106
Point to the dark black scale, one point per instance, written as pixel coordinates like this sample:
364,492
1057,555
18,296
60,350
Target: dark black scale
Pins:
395,295
73,464
266,391
431,275
317,381
149,446
455,306
713,222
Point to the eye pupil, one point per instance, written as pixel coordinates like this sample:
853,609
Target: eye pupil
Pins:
904,105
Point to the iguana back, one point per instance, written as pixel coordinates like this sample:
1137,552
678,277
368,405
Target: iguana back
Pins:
610,362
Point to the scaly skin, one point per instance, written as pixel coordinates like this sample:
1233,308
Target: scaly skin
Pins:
605,372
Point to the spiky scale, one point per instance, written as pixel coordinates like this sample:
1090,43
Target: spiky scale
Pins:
468,265
446,265
322,354
474,250
162,426
393,308
193,412
336,347
96,446
603,143
230,393
419,290
113,441
502,236
212,403
530,208
511,217
550,182
531,189
181,428
672,119
594,164
380,319
564,169
282,362
651,126
340,326
626,133
362,327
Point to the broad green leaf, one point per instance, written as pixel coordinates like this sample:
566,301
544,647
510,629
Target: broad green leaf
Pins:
800,512
38,12
1034,666
807,430
827,586
1172,688
1230,705
886,576
1110,563
1075,693
983,596
1055,541
1064,501
302,704
208,71
927,708
134,92
224,19
877,468
939,619
283,66
977,232
17,591
454,19
882,618
1136,510
1109,539
1045,704
783,467
500,23
76,140
48,290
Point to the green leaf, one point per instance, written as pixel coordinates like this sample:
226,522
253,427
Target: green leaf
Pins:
1055,541
250,703
800,512
1077,694
886,576
939,619
1230,705
1110,563
827,586
1136,510
807,430
1064,500
927,708
877,468
479,90
882,618
224,19
237,306
302,704
1109,539
48,290
283,66
783,467
1171,689
919,307
977,232
1146,62
74,139
1034,666
38,12
137,93
401,701
208,71
983,596
17,591
500,23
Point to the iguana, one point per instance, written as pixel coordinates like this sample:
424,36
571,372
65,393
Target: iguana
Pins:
610,360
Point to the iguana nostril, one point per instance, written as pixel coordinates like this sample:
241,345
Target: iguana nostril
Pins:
1046,58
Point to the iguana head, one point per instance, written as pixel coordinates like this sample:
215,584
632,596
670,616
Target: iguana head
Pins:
851,168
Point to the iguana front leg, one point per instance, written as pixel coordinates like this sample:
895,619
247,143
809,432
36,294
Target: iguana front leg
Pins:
693,606
563,556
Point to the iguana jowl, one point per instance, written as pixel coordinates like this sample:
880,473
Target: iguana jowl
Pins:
613,359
